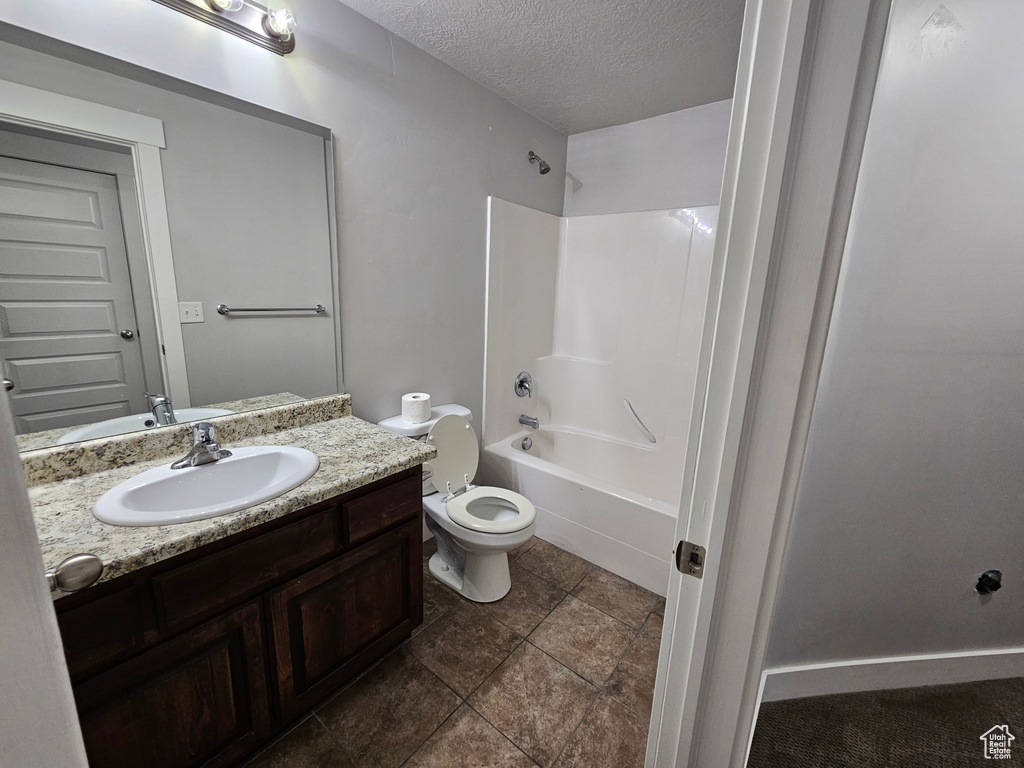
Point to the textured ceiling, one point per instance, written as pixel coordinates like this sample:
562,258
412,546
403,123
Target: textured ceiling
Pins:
579,64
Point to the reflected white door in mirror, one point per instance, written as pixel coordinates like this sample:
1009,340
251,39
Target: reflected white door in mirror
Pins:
77,342
76,321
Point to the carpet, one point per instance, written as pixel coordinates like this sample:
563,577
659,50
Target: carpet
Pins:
934,727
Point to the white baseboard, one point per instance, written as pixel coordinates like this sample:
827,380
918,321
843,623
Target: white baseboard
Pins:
612,555
799,681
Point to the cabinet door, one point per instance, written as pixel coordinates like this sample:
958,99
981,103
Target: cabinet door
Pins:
334,621
197,700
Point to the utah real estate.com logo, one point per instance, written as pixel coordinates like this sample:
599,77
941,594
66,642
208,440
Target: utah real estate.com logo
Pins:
997,742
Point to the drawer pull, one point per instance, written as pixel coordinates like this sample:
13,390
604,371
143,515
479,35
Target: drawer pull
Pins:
75,573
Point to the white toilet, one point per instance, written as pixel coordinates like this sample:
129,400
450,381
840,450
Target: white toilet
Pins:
475,526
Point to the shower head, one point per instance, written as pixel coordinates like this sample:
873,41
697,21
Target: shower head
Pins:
544,167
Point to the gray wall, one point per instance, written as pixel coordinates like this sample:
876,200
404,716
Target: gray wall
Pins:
419,148
246,200
913,479
670,161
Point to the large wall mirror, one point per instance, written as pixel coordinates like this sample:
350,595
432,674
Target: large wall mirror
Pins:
131,208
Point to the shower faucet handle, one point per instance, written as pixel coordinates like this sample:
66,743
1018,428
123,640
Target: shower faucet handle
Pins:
524,385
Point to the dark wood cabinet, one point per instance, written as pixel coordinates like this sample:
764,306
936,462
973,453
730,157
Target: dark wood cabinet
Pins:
198,700
334,620
199,659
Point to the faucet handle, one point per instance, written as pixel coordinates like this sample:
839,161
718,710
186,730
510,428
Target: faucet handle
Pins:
203,432
524,385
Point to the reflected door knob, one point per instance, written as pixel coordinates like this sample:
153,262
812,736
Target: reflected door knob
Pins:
128,334
8,385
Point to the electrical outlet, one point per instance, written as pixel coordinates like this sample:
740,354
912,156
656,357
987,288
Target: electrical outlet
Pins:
190,311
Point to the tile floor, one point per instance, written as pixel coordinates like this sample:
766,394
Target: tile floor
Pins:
560,672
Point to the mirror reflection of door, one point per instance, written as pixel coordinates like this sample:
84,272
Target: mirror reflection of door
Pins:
77,333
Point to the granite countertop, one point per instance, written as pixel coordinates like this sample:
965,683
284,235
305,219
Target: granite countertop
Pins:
33,441
352,453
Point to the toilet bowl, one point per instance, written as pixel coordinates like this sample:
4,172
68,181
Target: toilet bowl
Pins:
475,526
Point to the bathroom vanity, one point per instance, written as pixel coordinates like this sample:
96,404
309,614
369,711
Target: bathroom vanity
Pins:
212,636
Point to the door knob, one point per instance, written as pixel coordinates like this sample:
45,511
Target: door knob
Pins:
128,333
8,385
75,573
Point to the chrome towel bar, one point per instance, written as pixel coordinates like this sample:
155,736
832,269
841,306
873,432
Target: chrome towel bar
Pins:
224,309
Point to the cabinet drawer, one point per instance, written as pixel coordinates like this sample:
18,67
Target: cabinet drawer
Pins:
198,700
207,586
380,509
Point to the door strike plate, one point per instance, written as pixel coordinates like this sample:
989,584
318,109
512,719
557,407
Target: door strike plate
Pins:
690,559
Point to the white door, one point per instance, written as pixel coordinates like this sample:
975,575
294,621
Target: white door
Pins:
768,74
69,340
804,86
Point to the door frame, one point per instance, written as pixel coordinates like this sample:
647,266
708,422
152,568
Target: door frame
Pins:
805,83
144,137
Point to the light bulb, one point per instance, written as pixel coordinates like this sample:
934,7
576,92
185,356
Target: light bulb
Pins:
279,22
225,6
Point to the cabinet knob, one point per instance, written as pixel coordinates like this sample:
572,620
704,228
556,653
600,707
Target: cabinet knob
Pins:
75,573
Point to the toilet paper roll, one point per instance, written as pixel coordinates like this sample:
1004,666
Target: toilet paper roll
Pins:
416,407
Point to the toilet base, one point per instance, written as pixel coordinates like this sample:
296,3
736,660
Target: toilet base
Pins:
474,564
485,577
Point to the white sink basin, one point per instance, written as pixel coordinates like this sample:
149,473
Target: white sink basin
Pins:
163,495
134,423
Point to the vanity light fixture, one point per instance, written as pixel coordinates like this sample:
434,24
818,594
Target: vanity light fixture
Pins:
279,22
272,28
227,6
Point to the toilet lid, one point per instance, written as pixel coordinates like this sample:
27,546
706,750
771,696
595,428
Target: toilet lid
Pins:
457,452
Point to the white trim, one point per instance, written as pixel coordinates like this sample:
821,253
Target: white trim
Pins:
145,137
332,224
488,342
55,109
883,674
157,232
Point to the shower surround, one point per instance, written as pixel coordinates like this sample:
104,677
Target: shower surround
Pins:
605,312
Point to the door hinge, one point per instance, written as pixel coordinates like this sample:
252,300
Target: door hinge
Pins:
690,559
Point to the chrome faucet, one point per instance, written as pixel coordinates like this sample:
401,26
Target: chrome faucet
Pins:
529,421
163,411
205,450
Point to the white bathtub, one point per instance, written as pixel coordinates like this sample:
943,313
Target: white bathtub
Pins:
611,502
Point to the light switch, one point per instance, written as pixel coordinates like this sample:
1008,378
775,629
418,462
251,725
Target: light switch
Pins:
190,311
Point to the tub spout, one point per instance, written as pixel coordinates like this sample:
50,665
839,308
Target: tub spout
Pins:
529,421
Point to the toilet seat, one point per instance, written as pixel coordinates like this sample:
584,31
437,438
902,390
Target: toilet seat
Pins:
491,510
481,508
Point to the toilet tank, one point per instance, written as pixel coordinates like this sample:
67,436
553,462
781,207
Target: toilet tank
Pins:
407,428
